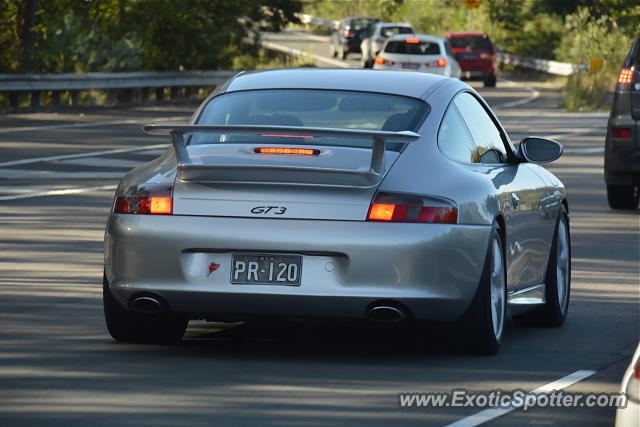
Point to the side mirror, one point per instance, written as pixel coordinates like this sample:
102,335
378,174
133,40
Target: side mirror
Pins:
539,150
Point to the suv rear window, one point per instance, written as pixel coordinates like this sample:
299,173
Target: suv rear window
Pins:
361,24
471,42
422,48
392,31
311,108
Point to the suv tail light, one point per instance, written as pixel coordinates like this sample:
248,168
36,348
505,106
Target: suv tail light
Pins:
148,199
620,133
381,61
389,207
626,76
441,62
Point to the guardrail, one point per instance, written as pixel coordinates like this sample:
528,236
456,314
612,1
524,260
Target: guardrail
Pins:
544,65
35,84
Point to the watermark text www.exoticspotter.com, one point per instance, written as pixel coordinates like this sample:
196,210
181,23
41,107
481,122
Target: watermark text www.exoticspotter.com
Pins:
519,399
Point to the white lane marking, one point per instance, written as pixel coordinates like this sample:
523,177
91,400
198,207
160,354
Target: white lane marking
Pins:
47,174
298,52
489,414
584,150
81,155
62,192
103,162
534,95
93,124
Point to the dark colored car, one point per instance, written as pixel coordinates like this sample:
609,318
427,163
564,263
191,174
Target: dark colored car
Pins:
346,39
622,146
476,56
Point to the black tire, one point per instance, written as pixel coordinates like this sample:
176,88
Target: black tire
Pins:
129,326
490,81
623,196
476,326
334,52
554,312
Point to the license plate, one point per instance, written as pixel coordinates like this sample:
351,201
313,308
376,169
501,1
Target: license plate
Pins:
266,269
410,66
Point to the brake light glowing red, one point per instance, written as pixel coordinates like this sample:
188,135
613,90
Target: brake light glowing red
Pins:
389,207
380,60
287,136
626,76
412,40
621,133
286,150
153,205
441,62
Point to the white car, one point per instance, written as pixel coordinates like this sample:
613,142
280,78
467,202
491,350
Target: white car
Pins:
630,416
375,38
428,54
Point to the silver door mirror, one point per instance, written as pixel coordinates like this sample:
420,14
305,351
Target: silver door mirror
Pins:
539,150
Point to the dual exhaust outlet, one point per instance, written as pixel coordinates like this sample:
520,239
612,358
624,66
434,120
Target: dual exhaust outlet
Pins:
378,313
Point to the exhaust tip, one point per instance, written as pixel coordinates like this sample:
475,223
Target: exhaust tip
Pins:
386,313
147,305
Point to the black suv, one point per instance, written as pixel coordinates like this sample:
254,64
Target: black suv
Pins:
346,39
622,146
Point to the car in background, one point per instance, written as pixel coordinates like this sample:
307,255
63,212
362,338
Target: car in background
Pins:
344,194
375,38
622,144
346,39
629,416
423,53
476,55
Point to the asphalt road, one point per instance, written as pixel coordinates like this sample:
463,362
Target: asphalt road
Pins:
58,365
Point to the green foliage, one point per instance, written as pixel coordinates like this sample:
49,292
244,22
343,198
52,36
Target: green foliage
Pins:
124,35
587,38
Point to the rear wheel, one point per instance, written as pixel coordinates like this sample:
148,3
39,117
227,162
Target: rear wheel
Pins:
334,52
130,326
482,326
490,81
342,52
558,281
623,196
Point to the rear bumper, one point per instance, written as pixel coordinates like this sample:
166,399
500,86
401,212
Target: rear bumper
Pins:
431,269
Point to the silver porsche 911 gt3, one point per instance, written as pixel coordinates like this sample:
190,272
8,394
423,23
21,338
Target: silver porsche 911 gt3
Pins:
360,194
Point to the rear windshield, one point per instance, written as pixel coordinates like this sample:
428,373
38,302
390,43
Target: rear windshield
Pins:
361,24
311,108
392,31
471,42
421,48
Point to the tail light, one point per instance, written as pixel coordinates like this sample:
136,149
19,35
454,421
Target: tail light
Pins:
348,33
147,199
379,41
287,150
441,62
412,40
626,76
389,207
380,60
620,133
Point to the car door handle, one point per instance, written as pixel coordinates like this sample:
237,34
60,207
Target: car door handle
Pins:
515,201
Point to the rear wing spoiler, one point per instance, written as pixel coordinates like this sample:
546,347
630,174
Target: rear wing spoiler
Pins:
378,138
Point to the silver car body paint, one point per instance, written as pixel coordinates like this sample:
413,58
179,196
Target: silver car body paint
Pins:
348,262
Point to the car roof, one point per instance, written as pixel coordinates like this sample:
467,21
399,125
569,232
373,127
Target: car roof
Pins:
422,37
383,81
466,35
393,24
